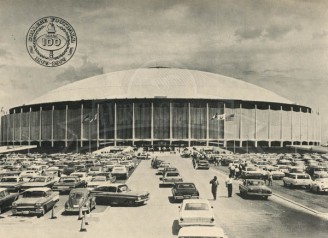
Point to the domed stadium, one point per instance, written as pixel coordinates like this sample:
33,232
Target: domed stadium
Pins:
160,107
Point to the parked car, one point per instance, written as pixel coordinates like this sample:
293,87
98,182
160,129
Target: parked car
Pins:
28,174
39,181
108,175
6,198
314,171
13,183
66,184
320,184
98,181
275,172
119,194
120,172
80,198
202,164
252,172
201,232
254,188
162,167
196,212
171,177
183,190
35,201
297,180
83,176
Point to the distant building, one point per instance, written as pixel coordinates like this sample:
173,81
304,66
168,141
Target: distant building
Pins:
160,107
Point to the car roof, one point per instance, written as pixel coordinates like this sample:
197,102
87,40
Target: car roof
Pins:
113,185
80,190
185,183
201,231
3,189
195,201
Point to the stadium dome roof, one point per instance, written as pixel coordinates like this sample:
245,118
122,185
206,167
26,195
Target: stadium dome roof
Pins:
158,83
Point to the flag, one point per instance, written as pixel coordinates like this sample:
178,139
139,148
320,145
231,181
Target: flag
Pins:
219,117
94,118
230,117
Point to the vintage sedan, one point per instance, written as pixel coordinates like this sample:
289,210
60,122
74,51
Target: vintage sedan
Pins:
119,194
252,172
13,183
171,177
297,180
80,198
184,190
6,198
98,181
320,185
66,184
120,171
196,212
202,164
35,201
39,181
254,187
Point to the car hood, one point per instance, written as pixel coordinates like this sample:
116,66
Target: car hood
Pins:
194,214
72,202
8,184
136,193
259,187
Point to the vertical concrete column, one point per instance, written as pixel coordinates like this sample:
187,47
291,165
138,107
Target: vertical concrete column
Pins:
20,126
82,131
281,129
320,131
189,125
14,115
29,127
301,126
171,126
307,126
207,126
97,121
66,126
133,125
224,128
255,134
40,129
152,124
52,125
269,126
241,126
115,124
291,125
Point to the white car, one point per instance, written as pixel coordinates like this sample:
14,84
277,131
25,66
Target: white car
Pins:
297,180
82,175
320,185
196,212
201,232
98,181
120,172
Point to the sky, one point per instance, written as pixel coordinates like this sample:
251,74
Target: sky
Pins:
280,45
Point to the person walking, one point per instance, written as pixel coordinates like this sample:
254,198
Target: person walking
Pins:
215,183
229,186
270,178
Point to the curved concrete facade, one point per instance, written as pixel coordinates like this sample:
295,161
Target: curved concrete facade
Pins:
160,107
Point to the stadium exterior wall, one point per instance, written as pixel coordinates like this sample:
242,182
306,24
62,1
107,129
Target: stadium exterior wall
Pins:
160,121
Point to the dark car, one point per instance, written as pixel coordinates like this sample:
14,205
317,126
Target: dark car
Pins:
184,190
66,184
155,163
80,198
13,183
255,188
6,198
119,194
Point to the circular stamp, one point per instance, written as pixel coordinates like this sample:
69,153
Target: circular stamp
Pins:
51,41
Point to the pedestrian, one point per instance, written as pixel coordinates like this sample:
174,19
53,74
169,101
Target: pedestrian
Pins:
215,183
229,186
270,178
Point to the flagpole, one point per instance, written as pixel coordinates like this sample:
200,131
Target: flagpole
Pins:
234,135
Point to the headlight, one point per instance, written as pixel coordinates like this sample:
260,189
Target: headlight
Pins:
139,198
38,204
14,204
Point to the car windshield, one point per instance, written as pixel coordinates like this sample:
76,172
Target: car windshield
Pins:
34,194
196,206
76,195
123,188
255,182
303,176
94,169
98,179
186,186
37,179
172,174
119,169
67,180
9,180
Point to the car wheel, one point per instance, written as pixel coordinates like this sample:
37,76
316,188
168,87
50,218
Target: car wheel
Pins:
318,190
285,184
0,210
265,197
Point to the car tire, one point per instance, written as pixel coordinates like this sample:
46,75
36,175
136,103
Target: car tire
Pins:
265,197
0,210
285,184
318,190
